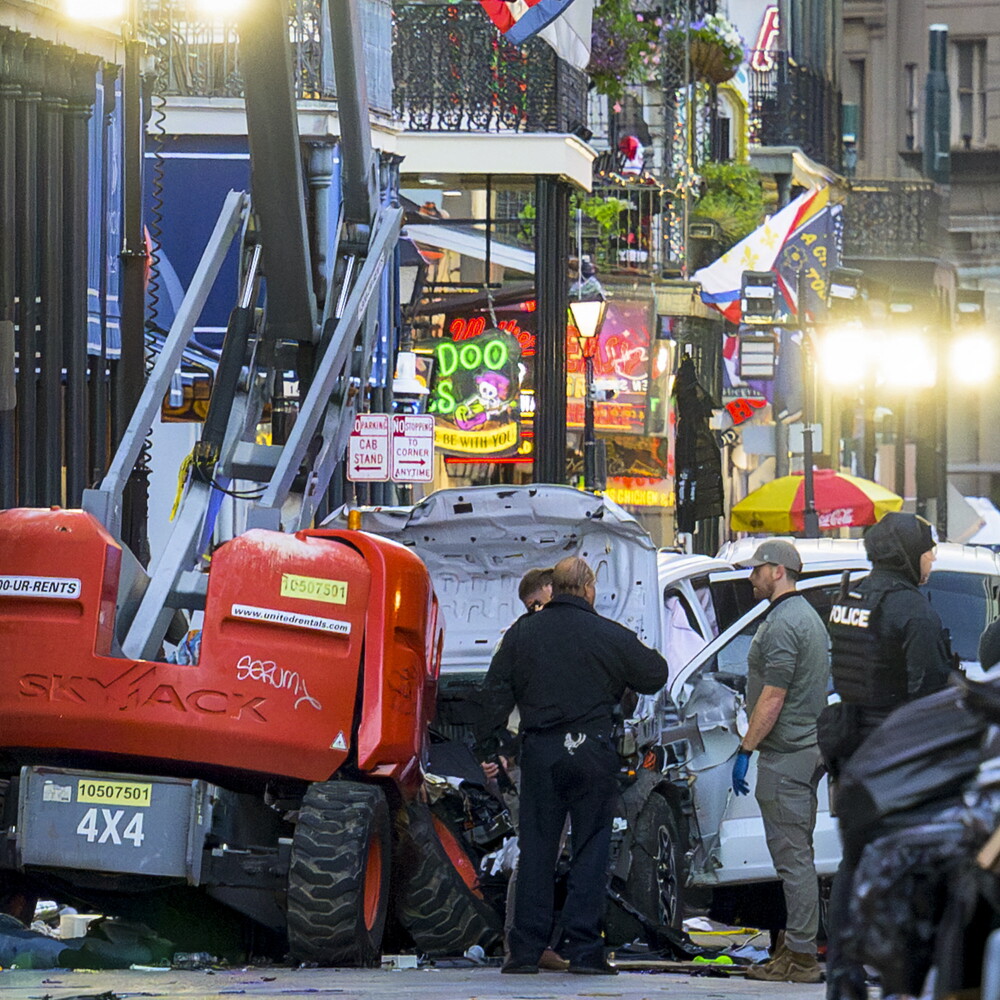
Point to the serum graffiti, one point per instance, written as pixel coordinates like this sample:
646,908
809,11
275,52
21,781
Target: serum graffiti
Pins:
268,672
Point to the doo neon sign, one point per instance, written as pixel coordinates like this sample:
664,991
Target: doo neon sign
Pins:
464,361
470,357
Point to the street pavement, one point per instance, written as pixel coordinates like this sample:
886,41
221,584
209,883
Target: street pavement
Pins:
374,984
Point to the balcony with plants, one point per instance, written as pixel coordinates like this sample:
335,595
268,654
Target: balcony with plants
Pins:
666,45
655,71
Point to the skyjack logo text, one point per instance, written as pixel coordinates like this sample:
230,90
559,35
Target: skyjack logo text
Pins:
139,689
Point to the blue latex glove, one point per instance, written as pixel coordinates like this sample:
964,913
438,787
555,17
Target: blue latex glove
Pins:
740,766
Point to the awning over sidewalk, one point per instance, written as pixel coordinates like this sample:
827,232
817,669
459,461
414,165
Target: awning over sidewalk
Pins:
472,243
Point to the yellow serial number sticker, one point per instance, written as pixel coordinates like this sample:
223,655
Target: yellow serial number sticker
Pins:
132,793
314,588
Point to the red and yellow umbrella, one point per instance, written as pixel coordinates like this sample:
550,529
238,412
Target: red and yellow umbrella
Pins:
841,501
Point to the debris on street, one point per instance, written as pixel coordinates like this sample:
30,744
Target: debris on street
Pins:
108,944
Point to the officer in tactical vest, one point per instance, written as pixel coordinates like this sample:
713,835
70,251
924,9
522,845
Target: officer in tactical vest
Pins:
888,647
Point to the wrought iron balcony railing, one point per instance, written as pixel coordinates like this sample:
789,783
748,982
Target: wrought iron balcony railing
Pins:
453,73
791,105
199,57
891,219
629,242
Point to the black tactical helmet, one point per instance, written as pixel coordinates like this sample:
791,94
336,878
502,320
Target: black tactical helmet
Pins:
897,542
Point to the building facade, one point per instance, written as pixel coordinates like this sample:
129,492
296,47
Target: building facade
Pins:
929,229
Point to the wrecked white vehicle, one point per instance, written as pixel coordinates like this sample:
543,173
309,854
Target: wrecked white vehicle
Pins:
682,828
729,847
477,543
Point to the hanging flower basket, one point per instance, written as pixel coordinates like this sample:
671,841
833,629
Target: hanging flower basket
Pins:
710,61
713,47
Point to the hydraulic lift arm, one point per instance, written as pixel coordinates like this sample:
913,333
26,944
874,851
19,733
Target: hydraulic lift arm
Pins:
328,344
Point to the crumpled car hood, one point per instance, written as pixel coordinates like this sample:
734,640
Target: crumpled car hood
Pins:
478,542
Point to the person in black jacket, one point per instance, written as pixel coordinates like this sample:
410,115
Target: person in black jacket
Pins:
565,668
888,647
697,458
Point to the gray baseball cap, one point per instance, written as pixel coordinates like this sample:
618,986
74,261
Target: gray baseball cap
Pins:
777,552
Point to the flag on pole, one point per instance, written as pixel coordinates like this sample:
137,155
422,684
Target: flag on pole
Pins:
570,34
803,236
519,20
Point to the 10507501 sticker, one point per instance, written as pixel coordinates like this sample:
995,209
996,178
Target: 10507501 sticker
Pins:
64,587
314,588
104,792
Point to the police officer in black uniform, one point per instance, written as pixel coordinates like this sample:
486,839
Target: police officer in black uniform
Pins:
566,669
888,647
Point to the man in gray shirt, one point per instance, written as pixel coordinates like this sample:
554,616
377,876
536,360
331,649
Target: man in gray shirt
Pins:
788,676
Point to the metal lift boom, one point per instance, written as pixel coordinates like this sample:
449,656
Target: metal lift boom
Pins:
327,341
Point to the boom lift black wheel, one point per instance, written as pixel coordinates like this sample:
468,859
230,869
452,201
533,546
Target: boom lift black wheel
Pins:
655,883
338,884
439,904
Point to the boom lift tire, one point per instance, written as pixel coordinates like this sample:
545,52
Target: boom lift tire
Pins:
655,883
338,883
439,904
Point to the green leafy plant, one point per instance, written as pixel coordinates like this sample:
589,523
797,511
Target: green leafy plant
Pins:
731,195
604,211
619,41
527,214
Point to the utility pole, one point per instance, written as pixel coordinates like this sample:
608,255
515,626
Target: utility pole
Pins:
810,516
551,253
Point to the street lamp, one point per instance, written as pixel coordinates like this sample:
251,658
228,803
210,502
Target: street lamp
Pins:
843,352
587,316
412,274
973,358
973,350
906,359
843,294
110,12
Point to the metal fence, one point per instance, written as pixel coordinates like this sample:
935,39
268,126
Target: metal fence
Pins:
438,66
791,105
197,56
631,243
454,73
892,219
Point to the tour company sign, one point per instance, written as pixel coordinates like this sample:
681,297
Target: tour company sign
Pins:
475,395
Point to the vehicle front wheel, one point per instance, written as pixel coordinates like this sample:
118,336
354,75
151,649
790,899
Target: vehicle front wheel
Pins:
338,883
440,905
655,883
